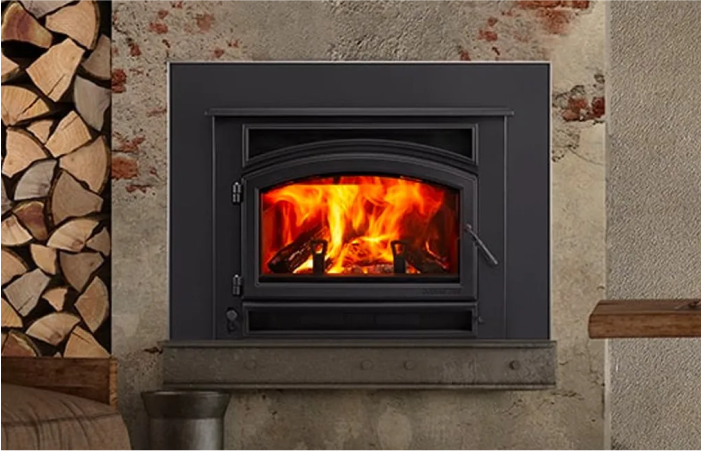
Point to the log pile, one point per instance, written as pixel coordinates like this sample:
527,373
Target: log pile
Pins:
55,173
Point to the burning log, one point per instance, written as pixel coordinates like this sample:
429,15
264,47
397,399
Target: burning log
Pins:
419,258
290,257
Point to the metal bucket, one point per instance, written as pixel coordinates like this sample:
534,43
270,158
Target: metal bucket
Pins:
186,419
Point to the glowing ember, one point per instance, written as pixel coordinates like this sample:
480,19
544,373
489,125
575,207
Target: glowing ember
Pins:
358,217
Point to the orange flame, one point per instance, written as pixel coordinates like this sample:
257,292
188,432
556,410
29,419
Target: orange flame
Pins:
360,217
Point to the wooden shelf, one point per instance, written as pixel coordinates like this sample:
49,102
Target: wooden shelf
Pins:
646,319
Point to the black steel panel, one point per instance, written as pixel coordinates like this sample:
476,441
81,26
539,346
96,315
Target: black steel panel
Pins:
501,89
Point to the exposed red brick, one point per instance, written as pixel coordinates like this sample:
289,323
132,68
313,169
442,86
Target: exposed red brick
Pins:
115,51
492,21
488,35
577,108
124,167
465,55
598,108
157,112
555,21
496,50
162,13
127,145
178,5
134,187
153,171
537,4
218,53
134,49
166,43
204,21
158,28
234,44
119,78
577,4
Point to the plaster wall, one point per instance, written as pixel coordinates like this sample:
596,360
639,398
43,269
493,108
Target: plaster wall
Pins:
653,201
569,34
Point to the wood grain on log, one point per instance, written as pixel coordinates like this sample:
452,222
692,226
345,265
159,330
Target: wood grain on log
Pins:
9,68
72,235
69,199
79,268
18,344
10,318
56,297
646,319
98,63
93,304
91,101
45,258
41,129
53,72
80,22
19,25
70,134
89,164
31,216
36,181
14,233
101,242
23,294
40,8
82,344
20,104
94,379
22,149
53,328
6,202
12,266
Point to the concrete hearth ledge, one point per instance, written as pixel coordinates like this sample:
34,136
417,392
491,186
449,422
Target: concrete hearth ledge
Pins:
348,364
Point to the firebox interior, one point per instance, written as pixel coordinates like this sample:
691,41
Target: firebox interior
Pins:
367,226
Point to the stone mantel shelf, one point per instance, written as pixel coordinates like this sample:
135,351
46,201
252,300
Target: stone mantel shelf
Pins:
649,318
360,364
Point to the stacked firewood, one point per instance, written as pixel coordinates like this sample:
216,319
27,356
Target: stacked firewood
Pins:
55,178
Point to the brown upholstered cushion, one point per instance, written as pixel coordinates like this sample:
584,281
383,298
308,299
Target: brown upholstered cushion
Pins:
40,419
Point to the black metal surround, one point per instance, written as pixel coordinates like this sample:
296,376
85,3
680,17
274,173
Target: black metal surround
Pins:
503,179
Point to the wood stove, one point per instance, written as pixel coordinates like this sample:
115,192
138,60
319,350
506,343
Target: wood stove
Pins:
359,201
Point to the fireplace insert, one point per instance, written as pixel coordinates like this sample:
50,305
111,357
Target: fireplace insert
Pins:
359,200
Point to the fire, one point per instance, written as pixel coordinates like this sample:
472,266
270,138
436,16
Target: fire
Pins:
359,217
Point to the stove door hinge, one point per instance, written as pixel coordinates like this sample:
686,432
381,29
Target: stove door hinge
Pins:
237,285
236,193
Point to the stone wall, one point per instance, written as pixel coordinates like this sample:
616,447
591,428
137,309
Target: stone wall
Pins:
654,214
569,33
